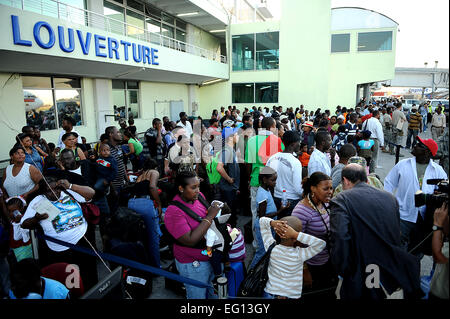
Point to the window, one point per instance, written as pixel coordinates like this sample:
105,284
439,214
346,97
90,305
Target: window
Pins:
125,99
243,92
114,12
136,24
243,52
340,42
266,92
263,46
49,99
375,41
267,50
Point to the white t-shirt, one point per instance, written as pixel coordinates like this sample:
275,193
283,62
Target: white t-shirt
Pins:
289,171
60,142
187,127
69,226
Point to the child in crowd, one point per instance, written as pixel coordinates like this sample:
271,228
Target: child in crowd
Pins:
103,140
304,154
106,168
20,238
131,127
265,206
285,270
365,147
340,139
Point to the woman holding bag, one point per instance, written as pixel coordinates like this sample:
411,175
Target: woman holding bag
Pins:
189,233
313,213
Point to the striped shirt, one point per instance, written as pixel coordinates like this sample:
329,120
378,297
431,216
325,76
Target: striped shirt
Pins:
313,225
414,121
286,263
117,153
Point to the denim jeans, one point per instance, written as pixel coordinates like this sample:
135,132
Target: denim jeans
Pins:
413,134
100,185
405,229
203,273
5,283
146,208
260,250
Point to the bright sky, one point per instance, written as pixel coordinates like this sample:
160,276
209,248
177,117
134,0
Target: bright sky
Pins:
423,25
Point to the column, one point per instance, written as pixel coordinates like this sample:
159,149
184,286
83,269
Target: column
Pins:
103,105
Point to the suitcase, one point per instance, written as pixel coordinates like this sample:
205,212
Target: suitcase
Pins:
235,276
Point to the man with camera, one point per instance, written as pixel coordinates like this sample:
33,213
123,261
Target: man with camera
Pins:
406,178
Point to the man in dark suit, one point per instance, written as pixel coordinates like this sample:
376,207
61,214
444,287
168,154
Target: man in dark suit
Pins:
365,242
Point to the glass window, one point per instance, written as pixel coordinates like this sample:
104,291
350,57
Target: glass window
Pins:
180,35
375,41
40,82
44,7
135,5
40,108
167,31
41,94
243,93
133,104
68,104
153,12
125,99
114,12
136,24
66,83
119,104
340,42
181,24
243,52
167,18
266,92
267,50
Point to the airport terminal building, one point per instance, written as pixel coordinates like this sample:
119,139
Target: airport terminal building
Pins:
100,60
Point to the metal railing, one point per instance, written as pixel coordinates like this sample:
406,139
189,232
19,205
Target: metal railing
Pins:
59,10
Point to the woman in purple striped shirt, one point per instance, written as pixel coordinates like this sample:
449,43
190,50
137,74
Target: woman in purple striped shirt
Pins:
313,213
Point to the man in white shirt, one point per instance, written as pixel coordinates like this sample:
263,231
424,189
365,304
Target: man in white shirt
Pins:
374,126
409,176
438,124
319,161
289,171
67,125
184,123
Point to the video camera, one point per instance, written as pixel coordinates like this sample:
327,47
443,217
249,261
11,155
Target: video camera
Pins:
433,200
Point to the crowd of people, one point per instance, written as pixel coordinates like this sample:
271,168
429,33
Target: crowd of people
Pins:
307,179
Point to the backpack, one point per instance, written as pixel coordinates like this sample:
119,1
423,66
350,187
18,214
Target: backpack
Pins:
254,283
211,169
340,141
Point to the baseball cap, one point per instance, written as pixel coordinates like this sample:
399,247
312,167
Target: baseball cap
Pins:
228,123
430,144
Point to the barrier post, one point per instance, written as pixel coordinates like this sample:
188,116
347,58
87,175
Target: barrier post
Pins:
222,283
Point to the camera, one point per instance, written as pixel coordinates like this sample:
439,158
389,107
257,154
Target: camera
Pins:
435,200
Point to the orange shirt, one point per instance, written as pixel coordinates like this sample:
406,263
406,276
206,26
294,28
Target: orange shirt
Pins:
304,159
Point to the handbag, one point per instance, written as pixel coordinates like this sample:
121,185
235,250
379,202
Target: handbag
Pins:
254,283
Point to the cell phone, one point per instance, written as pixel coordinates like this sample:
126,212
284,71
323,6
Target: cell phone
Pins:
219,203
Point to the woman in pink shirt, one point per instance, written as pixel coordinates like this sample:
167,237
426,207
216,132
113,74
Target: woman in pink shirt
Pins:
189,235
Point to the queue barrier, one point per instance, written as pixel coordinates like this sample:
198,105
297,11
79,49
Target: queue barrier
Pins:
128,262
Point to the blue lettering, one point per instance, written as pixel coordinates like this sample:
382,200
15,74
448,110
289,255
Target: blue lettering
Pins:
154,57
139,51
85,45
98,46
16,32
114,48
125,48
146,54
37,34
62,42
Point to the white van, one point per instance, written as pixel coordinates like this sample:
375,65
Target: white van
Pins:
407,105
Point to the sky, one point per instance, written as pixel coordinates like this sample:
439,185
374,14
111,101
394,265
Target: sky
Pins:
423,25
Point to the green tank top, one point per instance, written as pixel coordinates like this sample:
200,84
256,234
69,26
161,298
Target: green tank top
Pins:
137,146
